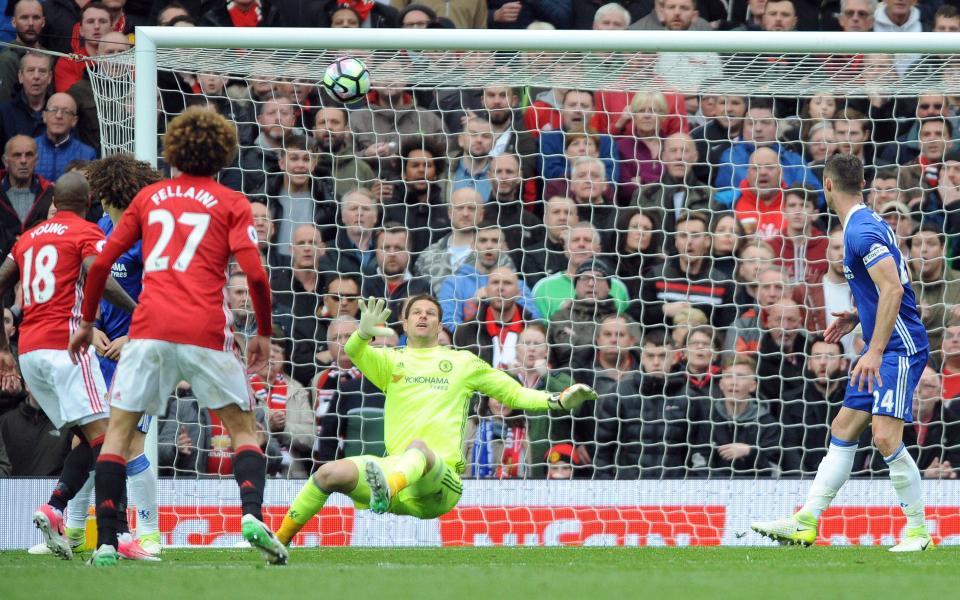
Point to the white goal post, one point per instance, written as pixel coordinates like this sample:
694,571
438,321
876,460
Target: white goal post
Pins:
150,40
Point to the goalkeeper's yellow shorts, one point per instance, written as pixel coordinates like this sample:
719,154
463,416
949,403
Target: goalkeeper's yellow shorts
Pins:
434,494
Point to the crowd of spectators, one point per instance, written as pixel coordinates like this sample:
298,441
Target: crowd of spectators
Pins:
673,251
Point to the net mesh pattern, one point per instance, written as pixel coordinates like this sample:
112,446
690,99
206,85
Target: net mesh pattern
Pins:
763,290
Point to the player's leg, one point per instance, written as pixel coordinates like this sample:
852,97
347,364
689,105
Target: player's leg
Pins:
111,484
338,476
832,473
250,471
888,424
388,480
68,395
142,486
219,380
145,373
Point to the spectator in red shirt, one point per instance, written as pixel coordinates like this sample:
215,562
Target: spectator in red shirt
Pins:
95,22
801,247
951,360
760,207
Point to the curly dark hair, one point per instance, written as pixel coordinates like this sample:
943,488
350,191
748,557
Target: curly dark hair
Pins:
115,180
200,142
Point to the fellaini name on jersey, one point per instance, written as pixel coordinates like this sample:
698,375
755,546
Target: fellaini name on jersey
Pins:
54,228
175,191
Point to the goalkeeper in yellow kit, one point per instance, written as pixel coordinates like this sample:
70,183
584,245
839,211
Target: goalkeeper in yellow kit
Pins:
428,389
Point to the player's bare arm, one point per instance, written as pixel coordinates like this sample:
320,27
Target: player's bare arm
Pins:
887,279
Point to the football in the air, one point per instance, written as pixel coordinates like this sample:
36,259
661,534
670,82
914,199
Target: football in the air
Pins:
347,80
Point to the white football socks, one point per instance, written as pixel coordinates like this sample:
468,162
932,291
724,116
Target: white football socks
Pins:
833,472
78,507
905,476
142,486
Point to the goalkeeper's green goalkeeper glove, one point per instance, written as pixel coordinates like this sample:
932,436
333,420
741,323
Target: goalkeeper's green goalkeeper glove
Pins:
373,313
572,397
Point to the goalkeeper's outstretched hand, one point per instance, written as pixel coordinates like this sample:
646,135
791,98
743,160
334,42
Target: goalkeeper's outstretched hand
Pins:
373,314
572,397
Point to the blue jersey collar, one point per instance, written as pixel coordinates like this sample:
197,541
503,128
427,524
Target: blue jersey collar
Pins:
850,214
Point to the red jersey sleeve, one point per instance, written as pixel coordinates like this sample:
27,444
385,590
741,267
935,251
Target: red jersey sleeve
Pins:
92,242
241,232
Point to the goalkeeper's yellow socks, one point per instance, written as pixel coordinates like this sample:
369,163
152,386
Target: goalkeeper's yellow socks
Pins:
409,469
307,503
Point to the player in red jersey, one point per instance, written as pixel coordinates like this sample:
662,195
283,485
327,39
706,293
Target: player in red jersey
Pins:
190,226
50,260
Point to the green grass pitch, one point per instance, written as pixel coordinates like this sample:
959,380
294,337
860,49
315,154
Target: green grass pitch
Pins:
494,573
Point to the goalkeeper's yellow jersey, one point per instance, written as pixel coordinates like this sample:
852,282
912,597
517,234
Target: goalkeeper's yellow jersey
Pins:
428,393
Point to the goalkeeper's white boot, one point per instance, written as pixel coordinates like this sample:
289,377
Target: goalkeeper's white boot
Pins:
798,529
262,538
380,494
915,540
50,523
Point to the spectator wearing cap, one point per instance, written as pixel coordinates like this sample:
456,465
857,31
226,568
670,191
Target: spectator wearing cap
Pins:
561,461
241,13
897,216
936,285
687,280
581,245
461,294
574,326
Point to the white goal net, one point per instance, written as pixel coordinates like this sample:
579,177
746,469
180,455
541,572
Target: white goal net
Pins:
649,223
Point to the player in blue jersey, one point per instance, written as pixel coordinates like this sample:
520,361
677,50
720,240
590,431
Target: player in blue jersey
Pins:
114,181
880,391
